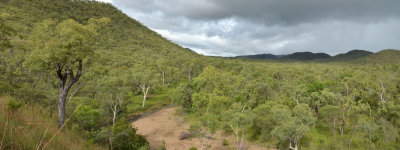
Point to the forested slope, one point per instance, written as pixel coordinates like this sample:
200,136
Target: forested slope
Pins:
107,66
126,60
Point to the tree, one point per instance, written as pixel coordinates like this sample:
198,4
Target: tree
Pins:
124,136
264,121
114,88
145,78
238,119
330,115
162,67
189,68
293,125
5,31
63,48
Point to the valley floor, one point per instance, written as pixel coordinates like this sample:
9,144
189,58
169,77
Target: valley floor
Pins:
166,125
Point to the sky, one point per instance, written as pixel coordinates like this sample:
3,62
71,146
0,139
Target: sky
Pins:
247,27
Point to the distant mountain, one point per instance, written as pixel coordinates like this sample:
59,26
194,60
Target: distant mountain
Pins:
303,56
351,55
260,56
306,56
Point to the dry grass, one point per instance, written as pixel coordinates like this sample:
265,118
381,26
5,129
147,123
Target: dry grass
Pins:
31,127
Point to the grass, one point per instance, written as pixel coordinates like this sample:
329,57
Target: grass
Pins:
32,127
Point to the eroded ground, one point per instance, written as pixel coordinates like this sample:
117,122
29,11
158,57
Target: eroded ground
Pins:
165,125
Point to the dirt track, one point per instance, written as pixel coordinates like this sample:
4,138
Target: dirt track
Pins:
165,125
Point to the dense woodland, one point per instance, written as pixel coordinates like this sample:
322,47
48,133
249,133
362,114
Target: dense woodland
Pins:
82,68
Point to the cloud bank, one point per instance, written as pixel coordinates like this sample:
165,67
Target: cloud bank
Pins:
238,27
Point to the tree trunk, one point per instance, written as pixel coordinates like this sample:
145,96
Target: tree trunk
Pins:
61,104
64,88
237,136
352,136
241,140
163,77
190,70
77,87
114,116
296,147
145,91
37,79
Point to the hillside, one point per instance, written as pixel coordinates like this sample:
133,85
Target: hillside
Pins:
306,56
125,55
389,56
260,56
85,67
351,55
297,56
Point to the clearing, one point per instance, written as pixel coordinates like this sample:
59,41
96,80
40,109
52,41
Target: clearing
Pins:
166,125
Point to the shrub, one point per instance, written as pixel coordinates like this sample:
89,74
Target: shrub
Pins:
162,146
13,105
87,117
125,136
225,142
193,148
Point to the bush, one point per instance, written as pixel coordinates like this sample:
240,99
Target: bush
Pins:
193,148
125,136
225,142
87,117
162,146
13,105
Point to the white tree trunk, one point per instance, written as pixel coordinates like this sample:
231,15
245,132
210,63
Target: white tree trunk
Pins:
237,136
114,117
145,92
76,89
36,80
241,140
189,74
295,146
163,77
116,106
381,94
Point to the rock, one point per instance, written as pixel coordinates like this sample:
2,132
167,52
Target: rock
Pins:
185,135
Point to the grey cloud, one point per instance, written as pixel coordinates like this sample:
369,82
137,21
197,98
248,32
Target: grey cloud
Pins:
286,12
241,27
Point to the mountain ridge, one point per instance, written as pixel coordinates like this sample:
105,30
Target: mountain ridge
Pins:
308,56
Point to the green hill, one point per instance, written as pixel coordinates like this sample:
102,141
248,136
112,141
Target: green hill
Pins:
120,68
306,56
126,55
389,56
351,55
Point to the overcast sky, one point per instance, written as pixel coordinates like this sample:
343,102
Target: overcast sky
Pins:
246,27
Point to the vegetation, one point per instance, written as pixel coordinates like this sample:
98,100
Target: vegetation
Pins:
97,67
32,127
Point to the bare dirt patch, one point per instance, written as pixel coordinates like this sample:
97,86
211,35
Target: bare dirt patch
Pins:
166,125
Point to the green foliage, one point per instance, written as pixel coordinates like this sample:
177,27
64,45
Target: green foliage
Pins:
6,31
87,117
293,125
13,105
193,148
225,142
162,146
61,44
358,101
125,136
